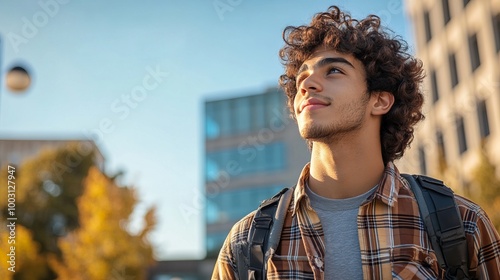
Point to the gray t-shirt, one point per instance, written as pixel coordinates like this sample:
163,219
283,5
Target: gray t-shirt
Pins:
339,221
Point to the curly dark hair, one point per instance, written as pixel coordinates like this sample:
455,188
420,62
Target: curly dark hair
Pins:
387,64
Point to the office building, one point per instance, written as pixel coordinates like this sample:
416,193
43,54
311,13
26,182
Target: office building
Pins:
459,44
252,151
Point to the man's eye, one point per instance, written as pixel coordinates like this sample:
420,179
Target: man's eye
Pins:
334,70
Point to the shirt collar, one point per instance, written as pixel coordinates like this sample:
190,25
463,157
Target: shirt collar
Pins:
387,191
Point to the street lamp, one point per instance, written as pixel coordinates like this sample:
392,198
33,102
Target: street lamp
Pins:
17,78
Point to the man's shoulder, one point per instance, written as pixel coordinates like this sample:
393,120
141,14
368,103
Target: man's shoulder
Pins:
469,209
467,203
239,231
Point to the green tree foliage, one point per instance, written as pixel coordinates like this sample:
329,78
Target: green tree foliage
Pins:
103,248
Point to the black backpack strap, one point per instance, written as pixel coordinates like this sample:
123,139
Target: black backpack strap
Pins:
264,235
443,224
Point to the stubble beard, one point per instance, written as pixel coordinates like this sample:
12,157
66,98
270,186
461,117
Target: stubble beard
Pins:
352,121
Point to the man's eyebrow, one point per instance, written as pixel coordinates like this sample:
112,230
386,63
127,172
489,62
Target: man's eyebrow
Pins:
325,61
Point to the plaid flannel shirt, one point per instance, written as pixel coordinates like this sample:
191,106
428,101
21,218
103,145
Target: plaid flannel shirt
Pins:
392,238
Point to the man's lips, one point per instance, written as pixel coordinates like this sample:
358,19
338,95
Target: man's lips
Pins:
313,103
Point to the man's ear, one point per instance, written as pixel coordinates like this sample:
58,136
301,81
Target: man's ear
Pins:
382,102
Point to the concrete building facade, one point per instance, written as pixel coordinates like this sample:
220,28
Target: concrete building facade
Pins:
459,44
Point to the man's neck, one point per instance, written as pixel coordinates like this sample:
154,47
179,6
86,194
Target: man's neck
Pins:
345,169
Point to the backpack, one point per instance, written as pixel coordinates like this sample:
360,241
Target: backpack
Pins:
437,207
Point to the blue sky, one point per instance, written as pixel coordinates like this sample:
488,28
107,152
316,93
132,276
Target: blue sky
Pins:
133,76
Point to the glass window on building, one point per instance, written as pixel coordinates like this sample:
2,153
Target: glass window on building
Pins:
276,155
434,87
211,169
462,140
441,150
440,144
244,115
428,26
258,112
232,205
268,158
482,115
254,157
496,31
453,70
275,105
218,164
240,112
212,130
224,108
214,242
475,59
446,11
212,211
223,116
422,160
231,115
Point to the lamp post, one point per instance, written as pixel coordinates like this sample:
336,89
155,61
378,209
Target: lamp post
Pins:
17,78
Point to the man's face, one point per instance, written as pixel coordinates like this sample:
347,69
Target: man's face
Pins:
332,98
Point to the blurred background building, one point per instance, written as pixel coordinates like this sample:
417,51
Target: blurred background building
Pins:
15,151
459,44
252,151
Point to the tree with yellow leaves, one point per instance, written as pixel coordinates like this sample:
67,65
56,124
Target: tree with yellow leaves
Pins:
485,188
46,189
19,252
103,248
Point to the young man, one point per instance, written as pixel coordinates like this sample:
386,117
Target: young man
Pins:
355,94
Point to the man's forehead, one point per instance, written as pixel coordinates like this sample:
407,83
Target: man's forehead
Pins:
324,52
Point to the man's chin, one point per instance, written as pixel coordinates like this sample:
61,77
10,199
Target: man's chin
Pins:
314,134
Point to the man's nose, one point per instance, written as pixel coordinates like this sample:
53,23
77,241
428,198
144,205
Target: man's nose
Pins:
311,84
